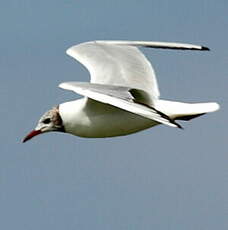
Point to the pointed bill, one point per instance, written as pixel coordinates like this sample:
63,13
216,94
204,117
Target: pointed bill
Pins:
32,134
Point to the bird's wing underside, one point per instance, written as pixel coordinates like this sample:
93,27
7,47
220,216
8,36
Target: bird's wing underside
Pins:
122,97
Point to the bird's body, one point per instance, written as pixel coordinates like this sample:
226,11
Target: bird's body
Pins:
123,96
89,118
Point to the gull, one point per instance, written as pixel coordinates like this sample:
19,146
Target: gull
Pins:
122,96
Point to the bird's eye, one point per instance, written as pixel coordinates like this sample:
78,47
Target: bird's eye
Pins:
47,121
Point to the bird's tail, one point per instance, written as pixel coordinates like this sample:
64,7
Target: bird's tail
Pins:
185,111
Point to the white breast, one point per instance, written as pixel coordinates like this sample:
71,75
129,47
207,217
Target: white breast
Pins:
89,118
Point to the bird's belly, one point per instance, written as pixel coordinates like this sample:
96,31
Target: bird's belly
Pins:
118,126
109,121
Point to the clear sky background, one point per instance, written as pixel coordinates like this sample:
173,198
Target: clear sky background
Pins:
161,178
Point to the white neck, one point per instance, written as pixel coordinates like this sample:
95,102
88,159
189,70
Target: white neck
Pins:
73,116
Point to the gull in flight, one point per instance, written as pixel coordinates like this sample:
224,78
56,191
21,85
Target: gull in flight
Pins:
122,96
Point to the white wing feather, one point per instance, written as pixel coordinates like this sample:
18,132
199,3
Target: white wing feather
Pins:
157,45
116,65
122,63
118,97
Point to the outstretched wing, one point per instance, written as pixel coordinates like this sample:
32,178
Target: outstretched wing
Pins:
121,97
122,63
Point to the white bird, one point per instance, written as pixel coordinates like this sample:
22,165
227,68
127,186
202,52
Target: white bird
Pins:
122,96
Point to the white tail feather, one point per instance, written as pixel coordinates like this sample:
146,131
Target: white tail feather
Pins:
177,110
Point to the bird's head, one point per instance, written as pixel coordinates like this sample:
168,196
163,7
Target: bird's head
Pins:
50,121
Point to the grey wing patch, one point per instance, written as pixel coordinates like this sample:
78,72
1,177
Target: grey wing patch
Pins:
141,96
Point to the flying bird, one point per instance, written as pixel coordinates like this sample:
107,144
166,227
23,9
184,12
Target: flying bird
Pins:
123,95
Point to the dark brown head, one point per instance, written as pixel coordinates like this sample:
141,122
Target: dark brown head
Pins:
50,121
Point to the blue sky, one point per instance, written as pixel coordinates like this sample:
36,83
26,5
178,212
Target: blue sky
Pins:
161,178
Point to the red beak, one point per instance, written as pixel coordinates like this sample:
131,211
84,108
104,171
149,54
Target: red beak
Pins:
31,135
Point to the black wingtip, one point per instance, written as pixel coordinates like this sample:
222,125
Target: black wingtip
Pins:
205,48
178,125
